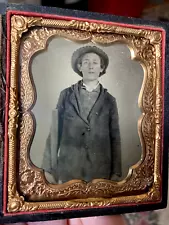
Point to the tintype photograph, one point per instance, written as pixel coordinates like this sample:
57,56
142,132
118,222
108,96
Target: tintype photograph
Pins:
86,111
84,127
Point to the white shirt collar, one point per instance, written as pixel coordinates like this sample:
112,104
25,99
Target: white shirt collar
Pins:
89,88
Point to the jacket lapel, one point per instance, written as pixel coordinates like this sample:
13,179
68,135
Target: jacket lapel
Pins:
75,101
99,103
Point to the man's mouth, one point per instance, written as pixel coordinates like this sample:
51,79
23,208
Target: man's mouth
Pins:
91,72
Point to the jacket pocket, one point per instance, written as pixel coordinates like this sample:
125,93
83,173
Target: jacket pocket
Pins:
69,114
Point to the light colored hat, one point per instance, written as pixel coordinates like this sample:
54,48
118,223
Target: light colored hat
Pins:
88,49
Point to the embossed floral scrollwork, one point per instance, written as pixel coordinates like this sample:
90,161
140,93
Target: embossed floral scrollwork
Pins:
156,37
91,27
140,42
15,201
15,204
21,24
13,113
154,193
158,112
148,53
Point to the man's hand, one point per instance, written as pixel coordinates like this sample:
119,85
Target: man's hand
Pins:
115,177
50,178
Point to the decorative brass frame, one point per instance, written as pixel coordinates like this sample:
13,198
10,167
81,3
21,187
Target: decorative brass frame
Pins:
143,183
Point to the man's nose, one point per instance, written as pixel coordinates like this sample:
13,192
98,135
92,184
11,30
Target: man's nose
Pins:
90,65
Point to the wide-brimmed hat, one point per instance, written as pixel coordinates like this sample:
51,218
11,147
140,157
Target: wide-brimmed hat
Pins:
88,49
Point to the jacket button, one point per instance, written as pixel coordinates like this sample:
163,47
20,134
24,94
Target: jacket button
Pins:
86,147
88,129
97,113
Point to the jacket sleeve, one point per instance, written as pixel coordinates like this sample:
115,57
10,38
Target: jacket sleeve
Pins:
49,163
115,141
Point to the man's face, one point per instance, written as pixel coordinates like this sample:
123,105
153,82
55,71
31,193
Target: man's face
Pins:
90,67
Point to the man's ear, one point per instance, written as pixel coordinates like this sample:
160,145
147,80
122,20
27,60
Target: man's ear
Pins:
79,66
102,68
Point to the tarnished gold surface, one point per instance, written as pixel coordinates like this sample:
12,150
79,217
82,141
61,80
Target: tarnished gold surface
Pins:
143,182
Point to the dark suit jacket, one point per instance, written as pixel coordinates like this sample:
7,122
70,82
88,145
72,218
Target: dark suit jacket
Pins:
78,148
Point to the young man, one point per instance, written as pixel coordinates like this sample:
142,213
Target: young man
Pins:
84,141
